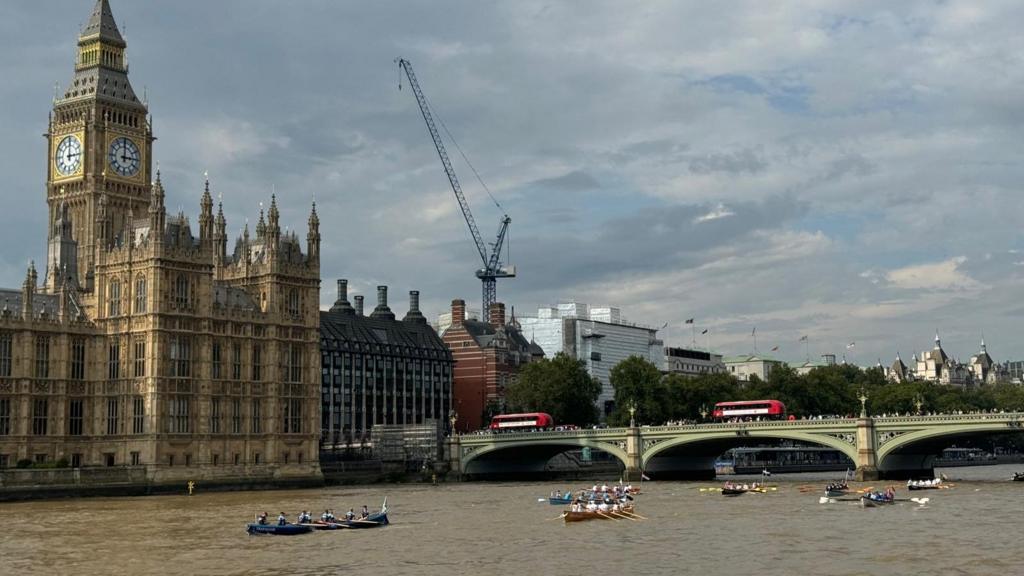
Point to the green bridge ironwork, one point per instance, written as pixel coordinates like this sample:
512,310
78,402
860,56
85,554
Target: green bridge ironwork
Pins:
881,447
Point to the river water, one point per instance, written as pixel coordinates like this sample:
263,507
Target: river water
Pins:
501,528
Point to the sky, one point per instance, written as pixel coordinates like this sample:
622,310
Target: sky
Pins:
846,170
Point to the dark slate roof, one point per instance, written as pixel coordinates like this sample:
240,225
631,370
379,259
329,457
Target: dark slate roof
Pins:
350,332
484,333
10,302
101,23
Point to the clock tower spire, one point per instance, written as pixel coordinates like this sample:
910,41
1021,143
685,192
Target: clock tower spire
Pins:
100,141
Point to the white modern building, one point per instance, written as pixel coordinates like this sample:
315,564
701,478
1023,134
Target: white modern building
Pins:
690,362
743,367
600,337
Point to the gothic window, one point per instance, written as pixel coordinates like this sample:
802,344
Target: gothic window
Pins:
114,298
178,421
76,416
5,416
293,363
181,357
140,358
114,361
257,415
78,359
293,302
112,416
215,356
138,414
181,291
293,415
215,416
42,357
40,416
236,361
257,362
6,342
236,417
140,294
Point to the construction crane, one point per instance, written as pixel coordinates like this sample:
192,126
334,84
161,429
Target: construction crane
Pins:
493,268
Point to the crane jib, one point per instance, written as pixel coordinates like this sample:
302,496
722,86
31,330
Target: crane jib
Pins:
492,266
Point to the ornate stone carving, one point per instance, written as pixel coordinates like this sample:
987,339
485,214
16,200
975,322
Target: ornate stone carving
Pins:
885,437
850,439
649,443
40,387
76,388
6,387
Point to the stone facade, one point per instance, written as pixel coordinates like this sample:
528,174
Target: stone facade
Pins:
146,345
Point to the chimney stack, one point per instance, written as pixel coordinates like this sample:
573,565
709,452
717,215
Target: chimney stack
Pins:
414,314
382,311
497,314
458,312
359,305
341,304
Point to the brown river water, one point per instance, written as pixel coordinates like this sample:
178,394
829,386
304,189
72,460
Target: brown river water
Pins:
501,528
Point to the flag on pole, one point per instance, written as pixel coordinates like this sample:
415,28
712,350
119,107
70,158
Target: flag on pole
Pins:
851,345
754,331
775,348
803,338
704,331
689,321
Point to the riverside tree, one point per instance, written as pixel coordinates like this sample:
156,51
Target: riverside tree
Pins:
638,383
559,386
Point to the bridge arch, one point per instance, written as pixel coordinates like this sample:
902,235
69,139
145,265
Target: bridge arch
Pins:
693,455
529,455
911,452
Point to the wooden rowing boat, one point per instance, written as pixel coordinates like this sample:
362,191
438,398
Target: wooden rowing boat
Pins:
583,515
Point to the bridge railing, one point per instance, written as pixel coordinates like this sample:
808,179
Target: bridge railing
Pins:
999,416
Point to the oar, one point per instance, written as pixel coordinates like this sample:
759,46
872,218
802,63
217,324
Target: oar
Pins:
614,513
602,514
633,514
863,490
559,517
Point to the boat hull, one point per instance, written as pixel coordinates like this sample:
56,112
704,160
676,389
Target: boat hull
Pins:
278,530
585,515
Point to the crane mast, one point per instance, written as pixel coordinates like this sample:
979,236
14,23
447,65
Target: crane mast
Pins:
492,268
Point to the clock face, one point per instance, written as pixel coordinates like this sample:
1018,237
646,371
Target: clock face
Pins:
124,157
69,155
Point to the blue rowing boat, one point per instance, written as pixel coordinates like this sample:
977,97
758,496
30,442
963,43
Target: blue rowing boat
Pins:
278,529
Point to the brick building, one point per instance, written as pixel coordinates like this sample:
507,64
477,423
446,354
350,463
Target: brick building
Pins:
487,357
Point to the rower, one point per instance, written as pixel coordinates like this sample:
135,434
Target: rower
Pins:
365,512
262,518
350,515
282,519
326,516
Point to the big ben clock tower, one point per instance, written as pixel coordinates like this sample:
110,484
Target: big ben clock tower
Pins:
100,142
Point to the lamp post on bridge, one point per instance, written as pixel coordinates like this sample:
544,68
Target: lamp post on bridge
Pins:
867,461
632,413
863,397
918,402
703,412
455,451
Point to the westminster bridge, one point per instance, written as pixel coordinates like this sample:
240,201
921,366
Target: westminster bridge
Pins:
881,447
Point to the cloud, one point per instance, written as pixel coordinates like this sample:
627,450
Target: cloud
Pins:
719,211
945,275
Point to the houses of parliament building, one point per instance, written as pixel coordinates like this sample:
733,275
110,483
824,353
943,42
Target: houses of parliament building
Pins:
142,342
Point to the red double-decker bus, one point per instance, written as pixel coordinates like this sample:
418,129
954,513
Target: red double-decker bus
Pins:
528,421
768,409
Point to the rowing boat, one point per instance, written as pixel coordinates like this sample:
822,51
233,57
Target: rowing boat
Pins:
583,515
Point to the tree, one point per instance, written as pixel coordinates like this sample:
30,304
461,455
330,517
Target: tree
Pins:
688,396
638,383
559,386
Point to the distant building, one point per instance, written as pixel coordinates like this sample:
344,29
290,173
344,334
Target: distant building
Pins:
1014,371
600,337
805,367
444,319
743,367
692,362
487,357
377,370
936,366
